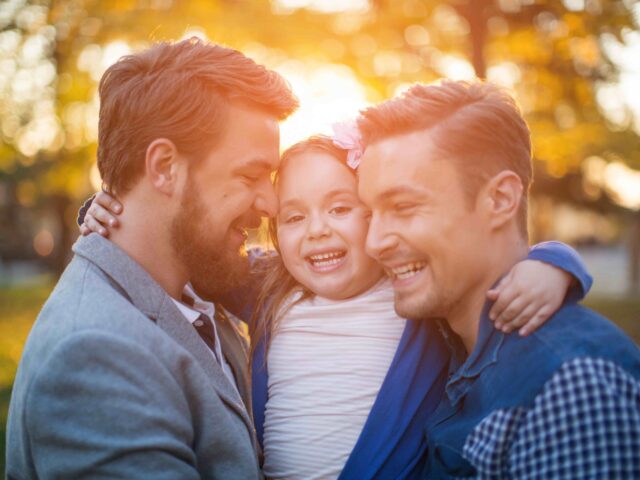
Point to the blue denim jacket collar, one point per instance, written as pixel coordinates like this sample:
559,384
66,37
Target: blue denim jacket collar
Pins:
463,369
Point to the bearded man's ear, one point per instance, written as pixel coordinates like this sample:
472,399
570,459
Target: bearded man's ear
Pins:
162,165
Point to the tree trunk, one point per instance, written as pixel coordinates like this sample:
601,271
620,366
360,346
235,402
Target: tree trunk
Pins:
475,12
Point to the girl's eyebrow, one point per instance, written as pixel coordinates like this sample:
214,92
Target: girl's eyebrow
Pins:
292,202
341,191
295,202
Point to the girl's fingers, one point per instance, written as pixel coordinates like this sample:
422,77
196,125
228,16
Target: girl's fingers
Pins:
524,316
510,312
495,291
107,201
506,295
103,216
95,226
536,321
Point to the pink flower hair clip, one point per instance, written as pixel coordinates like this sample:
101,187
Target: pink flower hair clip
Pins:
347,136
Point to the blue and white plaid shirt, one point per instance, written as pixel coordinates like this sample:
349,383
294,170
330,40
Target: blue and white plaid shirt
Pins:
585,423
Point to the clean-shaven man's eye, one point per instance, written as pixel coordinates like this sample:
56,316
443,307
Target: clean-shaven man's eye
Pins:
404,207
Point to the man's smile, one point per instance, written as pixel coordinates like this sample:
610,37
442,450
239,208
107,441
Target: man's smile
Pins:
405,273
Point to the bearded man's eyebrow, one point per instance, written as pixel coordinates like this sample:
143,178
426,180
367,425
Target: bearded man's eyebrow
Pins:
259,163
256,164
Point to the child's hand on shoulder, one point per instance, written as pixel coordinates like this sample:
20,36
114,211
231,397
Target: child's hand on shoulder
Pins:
528,296
102,215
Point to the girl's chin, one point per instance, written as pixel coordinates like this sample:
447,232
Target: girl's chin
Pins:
337,286
334,295
326,288
338,291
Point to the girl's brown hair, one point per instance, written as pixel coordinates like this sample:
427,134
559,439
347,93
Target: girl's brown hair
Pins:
278,283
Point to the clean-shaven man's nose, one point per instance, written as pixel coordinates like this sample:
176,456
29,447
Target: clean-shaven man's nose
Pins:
379,240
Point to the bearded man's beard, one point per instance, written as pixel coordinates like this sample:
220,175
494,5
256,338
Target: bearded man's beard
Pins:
213,266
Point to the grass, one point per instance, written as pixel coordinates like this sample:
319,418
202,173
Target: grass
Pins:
19,306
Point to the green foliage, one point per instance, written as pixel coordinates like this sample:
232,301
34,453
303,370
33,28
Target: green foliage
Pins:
555,56
52,54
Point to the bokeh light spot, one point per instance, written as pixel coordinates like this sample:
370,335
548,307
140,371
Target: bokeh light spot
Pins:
43,243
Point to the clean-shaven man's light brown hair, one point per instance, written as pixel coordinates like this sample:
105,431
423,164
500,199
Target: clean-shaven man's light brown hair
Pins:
476,124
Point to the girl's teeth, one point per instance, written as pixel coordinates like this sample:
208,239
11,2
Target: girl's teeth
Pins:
326,259
319,263
325,256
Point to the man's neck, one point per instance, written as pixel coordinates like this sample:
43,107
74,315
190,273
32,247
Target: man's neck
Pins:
464,320
145,239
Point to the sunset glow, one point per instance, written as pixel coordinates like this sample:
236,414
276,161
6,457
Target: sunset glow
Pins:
327,93
286,182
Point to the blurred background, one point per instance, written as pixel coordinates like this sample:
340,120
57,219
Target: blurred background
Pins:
574,66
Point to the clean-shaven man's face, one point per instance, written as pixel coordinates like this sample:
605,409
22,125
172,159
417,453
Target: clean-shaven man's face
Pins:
422,231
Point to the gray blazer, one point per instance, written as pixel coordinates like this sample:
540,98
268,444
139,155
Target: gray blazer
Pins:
115,383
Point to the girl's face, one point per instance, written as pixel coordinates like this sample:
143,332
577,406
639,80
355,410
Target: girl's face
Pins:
322,227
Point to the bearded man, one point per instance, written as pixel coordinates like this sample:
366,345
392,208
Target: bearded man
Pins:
127,373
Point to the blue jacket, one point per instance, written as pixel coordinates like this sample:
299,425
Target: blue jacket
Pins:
392,444
491,393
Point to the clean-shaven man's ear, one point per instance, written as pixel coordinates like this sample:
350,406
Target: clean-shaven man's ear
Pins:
162,164
502,195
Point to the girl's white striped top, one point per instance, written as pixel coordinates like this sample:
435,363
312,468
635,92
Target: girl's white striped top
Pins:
326,364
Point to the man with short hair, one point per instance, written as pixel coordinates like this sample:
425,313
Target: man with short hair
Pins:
446,173
127,373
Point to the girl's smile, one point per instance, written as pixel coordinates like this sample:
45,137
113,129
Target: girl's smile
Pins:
326,260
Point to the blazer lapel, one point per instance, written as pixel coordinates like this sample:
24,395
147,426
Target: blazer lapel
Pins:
235,350
152,300
177,327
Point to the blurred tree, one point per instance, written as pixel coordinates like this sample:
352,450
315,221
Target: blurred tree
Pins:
552,52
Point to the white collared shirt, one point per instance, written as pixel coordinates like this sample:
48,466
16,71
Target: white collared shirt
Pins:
201,306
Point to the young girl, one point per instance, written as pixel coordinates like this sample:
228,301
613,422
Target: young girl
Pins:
342,386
